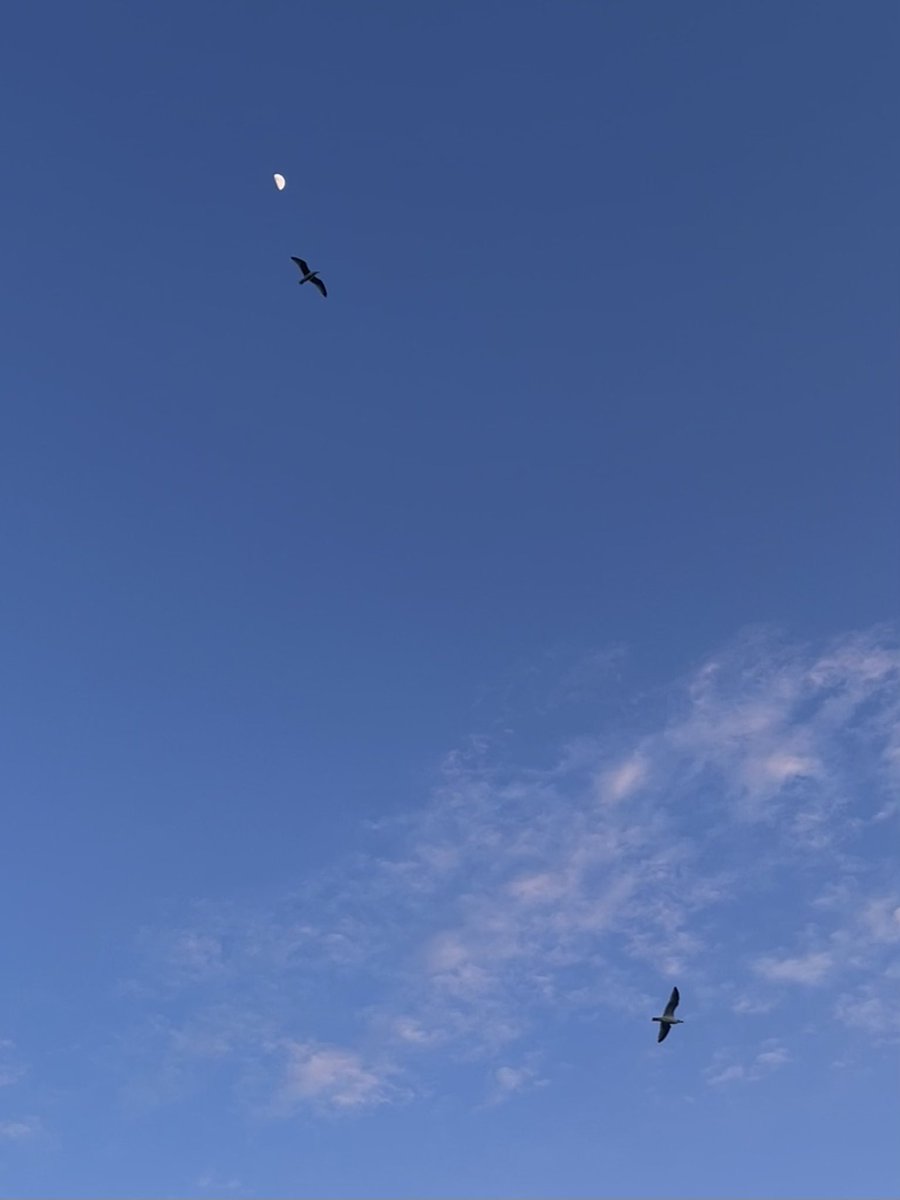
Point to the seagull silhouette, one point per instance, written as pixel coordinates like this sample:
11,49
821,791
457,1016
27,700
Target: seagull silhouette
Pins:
668,1019
309,276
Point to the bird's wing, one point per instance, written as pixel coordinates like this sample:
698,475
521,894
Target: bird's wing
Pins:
319,284
673,1003
663,1031
301,264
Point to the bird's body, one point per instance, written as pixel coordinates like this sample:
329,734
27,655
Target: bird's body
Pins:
668,1019
309,276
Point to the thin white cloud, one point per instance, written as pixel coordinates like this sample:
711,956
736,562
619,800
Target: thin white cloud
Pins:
622,780
631,857
210,1181
770,1056
507,1081
11,1069
731,1074
22,1130
412,1032
882,919
810,969
873,1009
331,1077
752,1006
783,765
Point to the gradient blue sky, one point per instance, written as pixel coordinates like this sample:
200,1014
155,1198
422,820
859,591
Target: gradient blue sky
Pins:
402,691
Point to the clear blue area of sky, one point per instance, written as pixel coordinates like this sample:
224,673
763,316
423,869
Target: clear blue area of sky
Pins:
608,358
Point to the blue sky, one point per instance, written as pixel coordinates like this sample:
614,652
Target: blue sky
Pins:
404,690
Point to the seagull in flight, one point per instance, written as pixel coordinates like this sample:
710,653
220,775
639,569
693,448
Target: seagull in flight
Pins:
309,276
668,1019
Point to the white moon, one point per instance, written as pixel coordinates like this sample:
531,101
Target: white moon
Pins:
279,181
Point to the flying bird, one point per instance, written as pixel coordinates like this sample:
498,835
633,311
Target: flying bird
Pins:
309,276
668,1019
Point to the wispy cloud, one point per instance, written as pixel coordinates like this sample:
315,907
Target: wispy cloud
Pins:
810,969
881,918
210,1181
21,1130
632,854
11,1068
752,1005
508,1081
873,1009
332,1077
725,1069
623,779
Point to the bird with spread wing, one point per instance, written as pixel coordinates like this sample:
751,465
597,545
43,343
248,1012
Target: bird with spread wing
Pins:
309,276
668,1019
